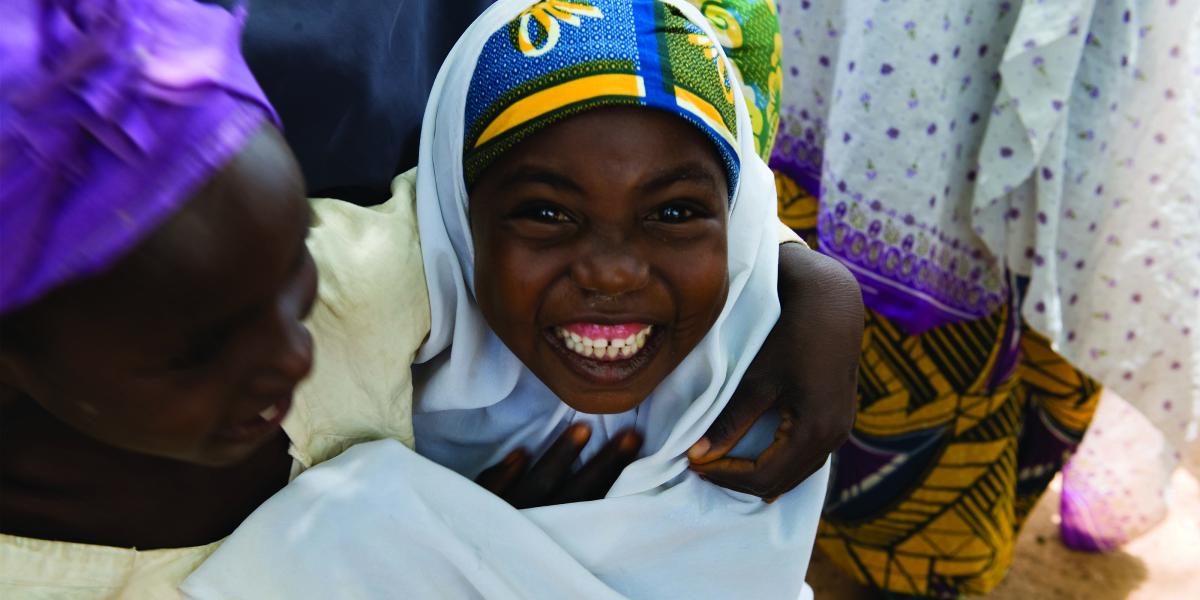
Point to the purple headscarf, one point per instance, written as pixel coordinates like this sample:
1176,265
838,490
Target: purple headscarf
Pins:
112,114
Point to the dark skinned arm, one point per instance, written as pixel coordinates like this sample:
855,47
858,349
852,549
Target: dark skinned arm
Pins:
807,370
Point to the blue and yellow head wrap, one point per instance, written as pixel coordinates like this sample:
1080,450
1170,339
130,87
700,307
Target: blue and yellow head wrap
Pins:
559,58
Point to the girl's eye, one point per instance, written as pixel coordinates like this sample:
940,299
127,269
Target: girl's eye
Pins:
546,214
674,213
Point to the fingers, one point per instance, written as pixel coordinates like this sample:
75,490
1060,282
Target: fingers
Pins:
751,399
779,468
552,471
593,481
500,477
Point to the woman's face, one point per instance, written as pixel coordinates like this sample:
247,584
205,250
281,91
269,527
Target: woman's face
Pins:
191,346
600,252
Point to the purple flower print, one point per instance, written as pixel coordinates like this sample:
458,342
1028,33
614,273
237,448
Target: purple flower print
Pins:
933,59
886,69
1006,152
1047,174
865,99
932,129
824,60
893,133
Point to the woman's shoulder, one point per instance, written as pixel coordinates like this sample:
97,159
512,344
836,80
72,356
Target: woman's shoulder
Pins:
33,568
371,315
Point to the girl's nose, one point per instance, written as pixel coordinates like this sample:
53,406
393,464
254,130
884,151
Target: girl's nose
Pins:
611,268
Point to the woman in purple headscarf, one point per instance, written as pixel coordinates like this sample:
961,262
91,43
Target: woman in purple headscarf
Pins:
153,279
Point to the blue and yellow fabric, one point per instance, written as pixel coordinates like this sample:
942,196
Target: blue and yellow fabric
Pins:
559,58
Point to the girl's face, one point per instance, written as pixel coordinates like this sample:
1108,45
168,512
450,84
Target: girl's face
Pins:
600,252
191,346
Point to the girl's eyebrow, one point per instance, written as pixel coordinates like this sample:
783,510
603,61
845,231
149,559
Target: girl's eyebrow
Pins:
536,174
695,172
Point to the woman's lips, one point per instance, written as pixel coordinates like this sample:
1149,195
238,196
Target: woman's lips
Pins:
266,421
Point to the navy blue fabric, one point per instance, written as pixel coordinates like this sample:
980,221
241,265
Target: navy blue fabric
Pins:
349,79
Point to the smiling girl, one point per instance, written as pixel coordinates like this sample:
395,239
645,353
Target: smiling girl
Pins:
600,248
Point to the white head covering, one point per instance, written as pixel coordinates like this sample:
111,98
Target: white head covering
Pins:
475,401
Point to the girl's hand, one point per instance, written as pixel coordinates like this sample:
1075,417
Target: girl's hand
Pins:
551,481
807,370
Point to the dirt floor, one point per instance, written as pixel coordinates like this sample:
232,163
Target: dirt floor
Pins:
1163,564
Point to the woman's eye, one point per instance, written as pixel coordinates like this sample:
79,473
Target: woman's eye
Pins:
201,352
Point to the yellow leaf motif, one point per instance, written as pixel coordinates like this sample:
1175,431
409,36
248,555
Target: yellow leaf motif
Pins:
548,14
728,30
710,52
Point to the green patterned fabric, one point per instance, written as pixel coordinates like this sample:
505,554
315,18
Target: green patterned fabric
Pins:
559,58
748,30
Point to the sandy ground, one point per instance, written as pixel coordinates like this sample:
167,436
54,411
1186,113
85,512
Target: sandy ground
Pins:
1163,564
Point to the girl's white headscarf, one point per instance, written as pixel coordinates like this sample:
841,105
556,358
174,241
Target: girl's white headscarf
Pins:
475,401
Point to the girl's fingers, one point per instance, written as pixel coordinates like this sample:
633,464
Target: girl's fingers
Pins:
593,481
552,471
500,477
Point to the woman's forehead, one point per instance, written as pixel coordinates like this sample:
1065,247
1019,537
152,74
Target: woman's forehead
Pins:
233,242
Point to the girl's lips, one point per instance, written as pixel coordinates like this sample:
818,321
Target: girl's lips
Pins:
266,421
604,342
602,331
606,370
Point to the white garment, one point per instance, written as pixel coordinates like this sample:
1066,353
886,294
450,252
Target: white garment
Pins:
380,521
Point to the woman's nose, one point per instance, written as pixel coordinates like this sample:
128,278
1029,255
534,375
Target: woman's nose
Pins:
288,359
611,268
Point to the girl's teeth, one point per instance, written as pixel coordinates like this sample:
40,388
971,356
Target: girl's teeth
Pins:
604,349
